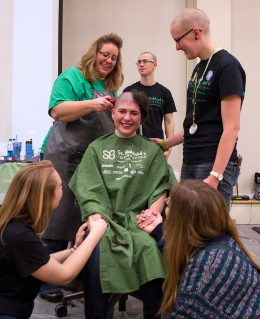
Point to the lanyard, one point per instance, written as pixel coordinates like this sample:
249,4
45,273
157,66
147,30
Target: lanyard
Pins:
194,126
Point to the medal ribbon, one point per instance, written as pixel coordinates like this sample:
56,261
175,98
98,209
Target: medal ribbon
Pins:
200,80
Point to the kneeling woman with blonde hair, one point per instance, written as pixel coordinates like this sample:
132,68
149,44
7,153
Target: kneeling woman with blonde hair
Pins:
24,261
211,273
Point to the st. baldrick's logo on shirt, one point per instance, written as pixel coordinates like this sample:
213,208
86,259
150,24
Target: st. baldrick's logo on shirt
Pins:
124,155
109,154
126,165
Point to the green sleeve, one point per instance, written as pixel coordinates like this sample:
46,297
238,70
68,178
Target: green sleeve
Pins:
70,86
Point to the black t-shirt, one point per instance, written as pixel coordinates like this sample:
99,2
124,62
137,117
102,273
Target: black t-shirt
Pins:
224,77
161,102
22,254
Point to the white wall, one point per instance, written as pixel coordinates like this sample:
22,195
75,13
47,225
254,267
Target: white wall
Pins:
6,67
246,48
30,79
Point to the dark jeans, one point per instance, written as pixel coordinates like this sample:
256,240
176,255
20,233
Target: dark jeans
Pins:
202,171
7,317
96,302
53,246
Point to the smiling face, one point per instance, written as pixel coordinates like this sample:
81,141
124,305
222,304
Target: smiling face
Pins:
187,44
105,65
145,69
127,117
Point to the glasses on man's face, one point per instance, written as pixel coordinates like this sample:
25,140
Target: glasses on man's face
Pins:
107,56
179,39
166,201
143,61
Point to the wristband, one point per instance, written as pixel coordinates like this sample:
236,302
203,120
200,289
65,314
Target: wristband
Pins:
163,146
73,249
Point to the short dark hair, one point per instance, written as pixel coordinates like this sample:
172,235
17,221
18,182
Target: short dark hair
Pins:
143,101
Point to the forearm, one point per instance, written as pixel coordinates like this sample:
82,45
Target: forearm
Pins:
61,274
230,113
169,129
71,110
77,260
61,255
225,149
158,205
174,140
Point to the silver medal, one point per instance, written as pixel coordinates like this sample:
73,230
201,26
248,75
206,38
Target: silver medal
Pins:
193,128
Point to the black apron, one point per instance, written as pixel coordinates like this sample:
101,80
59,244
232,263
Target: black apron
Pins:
66,146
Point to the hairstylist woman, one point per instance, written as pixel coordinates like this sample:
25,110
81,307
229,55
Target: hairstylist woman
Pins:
205,281
24,261
80,105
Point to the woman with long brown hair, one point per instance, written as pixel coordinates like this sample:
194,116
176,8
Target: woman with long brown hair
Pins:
204,281
24,261
80,104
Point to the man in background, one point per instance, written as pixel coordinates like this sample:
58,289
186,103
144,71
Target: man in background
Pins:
162,104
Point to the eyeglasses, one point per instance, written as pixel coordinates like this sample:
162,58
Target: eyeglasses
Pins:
166,201
179,39
107,56
143,61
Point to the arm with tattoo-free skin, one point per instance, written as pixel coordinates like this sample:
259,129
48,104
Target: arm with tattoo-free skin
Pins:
230,111
155,208
58,273
142,222
176,139
69,111
169,130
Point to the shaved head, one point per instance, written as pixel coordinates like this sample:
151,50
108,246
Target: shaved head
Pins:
153,57
124,97
138,97
192,18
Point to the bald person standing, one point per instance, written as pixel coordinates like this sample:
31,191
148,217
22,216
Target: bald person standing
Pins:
214,99
162,104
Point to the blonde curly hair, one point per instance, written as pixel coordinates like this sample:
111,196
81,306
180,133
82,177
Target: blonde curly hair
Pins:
87,65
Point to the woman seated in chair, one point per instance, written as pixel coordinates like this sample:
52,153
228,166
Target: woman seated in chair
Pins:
24,261
204,281
122,174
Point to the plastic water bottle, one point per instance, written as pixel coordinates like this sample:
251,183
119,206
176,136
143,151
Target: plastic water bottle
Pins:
10,150
29,150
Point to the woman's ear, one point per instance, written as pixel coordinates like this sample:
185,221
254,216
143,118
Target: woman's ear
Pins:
113,112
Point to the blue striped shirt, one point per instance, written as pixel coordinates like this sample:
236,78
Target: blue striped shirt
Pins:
218,283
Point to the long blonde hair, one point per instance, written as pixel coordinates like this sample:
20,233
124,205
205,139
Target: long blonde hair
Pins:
87,65
197,214
29,197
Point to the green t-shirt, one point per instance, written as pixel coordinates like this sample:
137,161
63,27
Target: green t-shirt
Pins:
118,178
71,86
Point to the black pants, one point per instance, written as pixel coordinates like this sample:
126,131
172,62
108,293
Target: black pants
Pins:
96,302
